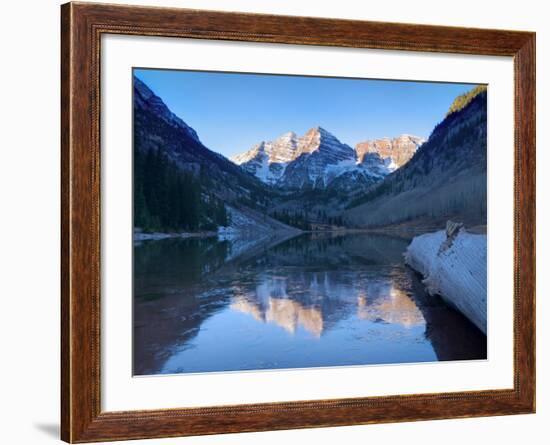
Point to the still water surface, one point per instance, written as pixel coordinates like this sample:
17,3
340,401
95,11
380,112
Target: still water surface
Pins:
314,300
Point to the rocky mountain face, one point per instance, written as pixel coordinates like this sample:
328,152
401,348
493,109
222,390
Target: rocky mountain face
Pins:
396,152
268,160
318,160
320,156
445,179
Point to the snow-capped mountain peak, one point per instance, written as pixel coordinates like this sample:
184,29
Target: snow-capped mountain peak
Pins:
257,151
318,138
396,152
268,160
318,159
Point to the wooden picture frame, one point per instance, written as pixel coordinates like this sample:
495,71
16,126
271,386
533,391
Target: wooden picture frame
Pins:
82,25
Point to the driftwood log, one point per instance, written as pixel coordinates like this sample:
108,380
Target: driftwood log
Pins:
453,263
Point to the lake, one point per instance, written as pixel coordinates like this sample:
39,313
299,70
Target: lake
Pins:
314,300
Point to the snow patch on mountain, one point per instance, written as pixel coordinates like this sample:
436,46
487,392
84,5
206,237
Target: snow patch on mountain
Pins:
375,169
268,160
245,221
249,229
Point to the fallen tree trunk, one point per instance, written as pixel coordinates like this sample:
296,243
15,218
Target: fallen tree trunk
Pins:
454,266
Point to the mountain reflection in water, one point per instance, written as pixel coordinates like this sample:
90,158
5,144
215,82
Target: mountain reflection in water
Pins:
313,300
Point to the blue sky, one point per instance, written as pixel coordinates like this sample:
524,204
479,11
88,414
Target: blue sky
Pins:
232,112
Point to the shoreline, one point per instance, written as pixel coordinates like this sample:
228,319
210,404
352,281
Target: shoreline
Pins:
155,236
407,232
222,236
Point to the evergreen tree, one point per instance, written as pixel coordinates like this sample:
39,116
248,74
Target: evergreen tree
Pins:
169,199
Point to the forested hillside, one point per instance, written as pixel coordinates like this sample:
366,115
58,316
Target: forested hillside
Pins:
447,176
179,184
169,199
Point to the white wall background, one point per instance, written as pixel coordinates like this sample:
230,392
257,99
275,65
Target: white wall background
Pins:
29,219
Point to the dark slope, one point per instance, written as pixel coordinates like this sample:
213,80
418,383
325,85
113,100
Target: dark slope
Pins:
157,128
447,176
179,184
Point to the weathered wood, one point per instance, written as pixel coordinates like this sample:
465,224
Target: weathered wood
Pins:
82,28
454,266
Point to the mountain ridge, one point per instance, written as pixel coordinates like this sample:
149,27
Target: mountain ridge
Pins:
397,151
446,177
312,181
316,159
180,184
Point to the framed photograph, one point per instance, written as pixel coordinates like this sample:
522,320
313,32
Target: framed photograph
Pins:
274,222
